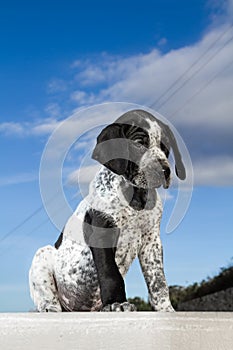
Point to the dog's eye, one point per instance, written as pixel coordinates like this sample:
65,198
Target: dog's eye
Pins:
142,142
139,143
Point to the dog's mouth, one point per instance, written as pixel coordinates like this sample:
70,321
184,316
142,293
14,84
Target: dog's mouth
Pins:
155,180
154,175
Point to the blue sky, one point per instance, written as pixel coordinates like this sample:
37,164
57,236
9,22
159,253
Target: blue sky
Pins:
58,56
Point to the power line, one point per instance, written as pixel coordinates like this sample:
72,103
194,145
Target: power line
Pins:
29,217
189,68
21,223
38,226
26,235
202,88
197,71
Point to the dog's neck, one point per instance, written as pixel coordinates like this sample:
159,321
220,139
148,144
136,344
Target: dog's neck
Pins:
138,198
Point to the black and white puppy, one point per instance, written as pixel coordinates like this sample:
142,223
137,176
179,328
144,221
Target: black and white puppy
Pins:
117,221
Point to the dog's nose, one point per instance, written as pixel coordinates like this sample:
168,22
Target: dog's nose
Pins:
166,179
166,171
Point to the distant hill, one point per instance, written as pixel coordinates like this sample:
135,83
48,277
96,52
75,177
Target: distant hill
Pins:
217,283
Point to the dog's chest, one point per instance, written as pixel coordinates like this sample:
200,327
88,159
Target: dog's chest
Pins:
135,227
105,196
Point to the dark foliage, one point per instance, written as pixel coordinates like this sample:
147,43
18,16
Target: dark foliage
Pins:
140,304
215,284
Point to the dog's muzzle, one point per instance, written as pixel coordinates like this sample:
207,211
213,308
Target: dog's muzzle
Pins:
166,176
153,176
158,176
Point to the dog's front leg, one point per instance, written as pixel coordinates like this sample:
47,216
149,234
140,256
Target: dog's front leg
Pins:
111,283
151,260
101,235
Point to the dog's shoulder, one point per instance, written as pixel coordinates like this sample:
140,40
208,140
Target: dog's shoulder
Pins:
105,183
103,197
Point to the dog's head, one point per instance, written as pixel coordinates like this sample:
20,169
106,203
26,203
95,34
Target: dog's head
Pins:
137,146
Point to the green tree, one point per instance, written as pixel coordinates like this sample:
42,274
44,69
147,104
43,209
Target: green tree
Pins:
140,304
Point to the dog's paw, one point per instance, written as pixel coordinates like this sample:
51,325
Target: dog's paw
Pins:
50,308
164,308
170,309
119,307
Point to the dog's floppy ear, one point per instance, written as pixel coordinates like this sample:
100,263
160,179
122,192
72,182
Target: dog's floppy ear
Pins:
168,140
110,151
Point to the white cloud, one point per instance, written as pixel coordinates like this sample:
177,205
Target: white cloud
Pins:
83,98
91,76
162,42
17,179
221,10
56,86
39,128
108,69
215,171
44,128
230,8
53,110
11,128
143,78
84,175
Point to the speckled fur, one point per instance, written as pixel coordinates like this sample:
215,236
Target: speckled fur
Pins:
66,278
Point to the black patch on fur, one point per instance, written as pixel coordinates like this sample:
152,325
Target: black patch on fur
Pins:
104,151
97,226
139,198
135,118
128,129
168,141
100,230
59,241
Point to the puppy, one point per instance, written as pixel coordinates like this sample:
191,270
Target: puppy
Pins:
117,221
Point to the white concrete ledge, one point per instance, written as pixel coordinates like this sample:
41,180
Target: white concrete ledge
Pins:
139,330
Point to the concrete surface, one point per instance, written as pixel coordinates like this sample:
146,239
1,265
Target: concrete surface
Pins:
139,330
